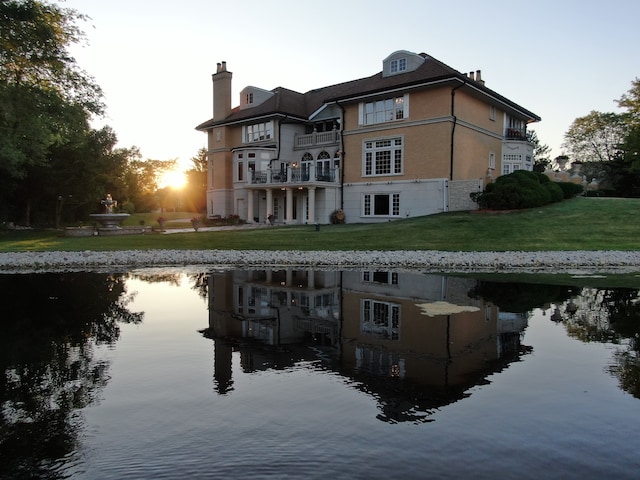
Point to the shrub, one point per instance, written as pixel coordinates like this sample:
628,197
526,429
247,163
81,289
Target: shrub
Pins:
128,207
570,189
520,189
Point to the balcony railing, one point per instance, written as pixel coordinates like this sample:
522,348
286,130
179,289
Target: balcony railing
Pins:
317,138
516,134
294,175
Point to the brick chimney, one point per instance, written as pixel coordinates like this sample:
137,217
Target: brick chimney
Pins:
221,92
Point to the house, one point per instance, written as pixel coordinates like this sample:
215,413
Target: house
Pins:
415,139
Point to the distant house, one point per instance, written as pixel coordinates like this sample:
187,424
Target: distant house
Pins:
415,139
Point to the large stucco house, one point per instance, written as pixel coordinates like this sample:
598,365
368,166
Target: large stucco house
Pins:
414,139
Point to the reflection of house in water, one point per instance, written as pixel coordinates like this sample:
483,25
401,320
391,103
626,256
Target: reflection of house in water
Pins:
274,307
415,341
425,331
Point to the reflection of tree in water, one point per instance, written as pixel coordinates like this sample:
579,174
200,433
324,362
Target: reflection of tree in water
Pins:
609,316
199,280
520,297
172,279
50,326
200,284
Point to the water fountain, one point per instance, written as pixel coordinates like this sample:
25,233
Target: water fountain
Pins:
109,220
109,223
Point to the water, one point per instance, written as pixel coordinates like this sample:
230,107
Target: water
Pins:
302,374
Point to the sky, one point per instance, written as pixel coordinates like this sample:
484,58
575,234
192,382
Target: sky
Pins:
154,60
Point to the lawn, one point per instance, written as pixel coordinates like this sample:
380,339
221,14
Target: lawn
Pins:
578,224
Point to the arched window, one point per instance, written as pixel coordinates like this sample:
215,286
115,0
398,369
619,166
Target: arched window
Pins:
323,167
307,161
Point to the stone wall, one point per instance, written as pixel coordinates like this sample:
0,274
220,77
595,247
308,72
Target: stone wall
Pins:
459,194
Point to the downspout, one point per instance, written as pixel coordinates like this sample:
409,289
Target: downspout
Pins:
341,156
453,130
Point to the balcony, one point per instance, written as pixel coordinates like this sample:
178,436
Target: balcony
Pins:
518,134
316,139
297,176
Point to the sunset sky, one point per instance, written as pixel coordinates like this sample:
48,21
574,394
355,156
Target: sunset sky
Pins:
154,60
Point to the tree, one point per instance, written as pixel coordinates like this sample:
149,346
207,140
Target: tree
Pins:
631,102
45,98
141,180
195,191
596,137
541,152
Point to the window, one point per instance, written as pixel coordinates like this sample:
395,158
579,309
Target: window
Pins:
383,157
511,163
381,319
492,112
492,160
240,171
381,204
387,110
323,167
399,65
258,132
384,277
249,98
512,158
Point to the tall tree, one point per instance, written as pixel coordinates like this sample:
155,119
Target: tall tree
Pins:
142,178
45,98
629,161
195,191
596,137
541,152
631,102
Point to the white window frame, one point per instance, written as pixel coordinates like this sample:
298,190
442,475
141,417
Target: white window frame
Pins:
383,157
369,204
383,277
398,65
511,162
257,132
392,109
380,318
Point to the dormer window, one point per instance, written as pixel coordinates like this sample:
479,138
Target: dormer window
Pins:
400,62
249,98
399,65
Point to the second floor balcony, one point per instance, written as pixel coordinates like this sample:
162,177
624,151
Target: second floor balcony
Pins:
295,176
518,134
332,137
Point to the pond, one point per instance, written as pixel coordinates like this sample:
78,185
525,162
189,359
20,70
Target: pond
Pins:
163,374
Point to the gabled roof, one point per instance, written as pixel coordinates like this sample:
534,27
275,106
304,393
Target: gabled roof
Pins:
301,106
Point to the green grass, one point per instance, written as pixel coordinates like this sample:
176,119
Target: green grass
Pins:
578,224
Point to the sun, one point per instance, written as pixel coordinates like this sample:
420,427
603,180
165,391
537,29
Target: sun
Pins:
173,178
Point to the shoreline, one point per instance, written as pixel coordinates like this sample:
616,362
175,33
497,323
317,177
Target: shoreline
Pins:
582,261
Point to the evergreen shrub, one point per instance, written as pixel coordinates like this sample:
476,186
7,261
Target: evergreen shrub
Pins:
570,189
520,189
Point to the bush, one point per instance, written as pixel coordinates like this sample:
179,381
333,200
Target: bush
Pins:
128,207
520,189
570,189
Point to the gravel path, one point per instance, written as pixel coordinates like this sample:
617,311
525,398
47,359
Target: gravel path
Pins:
586,262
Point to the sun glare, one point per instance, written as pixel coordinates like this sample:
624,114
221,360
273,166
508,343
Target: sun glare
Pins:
173,179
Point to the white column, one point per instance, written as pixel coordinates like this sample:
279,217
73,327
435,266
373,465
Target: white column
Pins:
269,202
250,199
289,214
312,204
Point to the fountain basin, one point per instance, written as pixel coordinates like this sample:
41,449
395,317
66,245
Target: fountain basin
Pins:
109,220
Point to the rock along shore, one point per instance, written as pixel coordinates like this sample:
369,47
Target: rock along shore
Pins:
431,260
